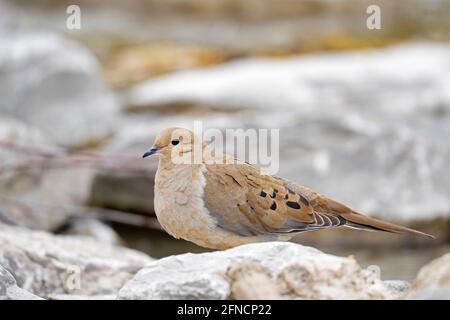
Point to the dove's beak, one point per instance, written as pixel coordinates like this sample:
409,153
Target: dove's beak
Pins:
151,151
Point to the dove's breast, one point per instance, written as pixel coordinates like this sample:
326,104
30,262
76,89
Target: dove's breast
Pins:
181,211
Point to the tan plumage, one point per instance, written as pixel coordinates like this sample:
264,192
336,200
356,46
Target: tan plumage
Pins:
225,205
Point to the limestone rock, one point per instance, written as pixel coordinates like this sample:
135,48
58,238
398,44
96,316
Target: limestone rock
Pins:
9,289
46,264
300,272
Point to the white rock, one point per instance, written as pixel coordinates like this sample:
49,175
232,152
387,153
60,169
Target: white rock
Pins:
433,281
53,84
300,272
369,128
45,264
9,289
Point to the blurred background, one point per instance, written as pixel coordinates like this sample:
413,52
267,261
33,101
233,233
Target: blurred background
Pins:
364,115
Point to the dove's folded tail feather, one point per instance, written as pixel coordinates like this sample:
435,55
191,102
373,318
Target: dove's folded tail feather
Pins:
359,221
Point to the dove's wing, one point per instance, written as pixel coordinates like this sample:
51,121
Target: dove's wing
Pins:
248,203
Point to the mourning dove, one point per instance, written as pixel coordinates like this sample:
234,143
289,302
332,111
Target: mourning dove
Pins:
221,206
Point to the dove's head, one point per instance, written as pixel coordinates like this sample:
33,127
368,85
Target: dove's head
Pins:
173,142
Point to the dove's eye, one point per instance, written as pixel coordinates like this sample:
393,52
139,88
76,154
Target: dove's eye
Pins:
175,142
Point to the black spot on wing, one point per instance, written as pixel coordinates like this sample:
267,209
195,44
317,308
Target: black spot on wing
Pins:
273,206
293,204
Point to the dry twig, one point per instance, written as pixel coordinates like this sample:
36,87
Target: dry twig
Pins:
83,211
46,158
40,157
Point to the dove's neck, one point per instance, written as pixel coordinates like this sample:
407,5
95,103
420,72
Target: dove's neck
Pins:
179,204
180,182
170,173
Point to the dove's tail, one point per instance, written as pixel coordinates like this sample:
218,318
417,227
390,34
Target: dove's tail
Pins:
359,221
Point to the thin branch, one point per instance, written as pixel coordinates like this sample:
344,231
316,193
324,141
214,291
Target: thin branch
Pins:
49,158
125,218
43,151
39,157
84,211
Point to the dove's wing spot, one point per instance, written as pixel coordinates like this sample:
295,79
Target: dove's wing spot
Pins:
263,194
273,206
293,205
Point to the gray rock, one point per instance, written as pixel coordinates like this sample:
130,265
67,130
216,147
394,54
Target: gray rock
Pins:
300,272
95,229
34,197
8,17
433,281
369,128
81,297
9,289
53,84
46,264
397,286
47,200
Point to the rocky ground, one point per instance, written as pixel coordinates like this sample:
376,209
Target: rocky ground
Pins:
368,127
38,265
